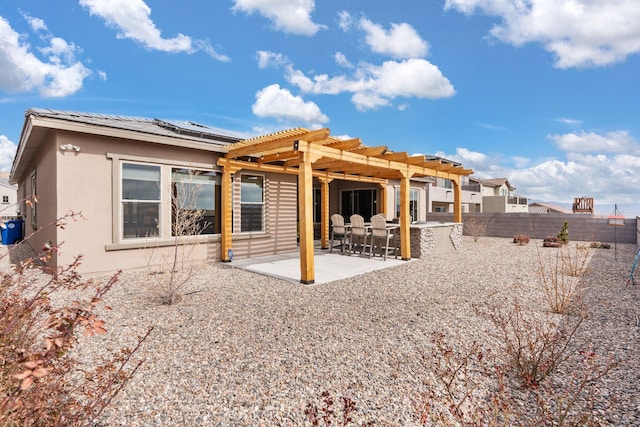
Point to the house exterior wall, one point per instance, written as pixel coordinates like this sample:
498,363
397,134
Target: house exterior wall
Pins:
84,182
40,215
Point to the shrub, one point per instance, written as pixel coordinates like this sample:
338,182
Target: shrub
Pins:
43,382
521,239
475,226
551,242
563,234
534,346
326,414
600,245
558,277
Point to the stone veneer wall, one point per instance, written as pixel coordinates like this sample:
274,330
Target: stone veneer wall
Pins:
427,239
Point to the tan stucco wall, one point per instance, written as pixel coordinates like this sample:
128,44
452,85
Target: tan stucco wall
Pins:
46,205
85,184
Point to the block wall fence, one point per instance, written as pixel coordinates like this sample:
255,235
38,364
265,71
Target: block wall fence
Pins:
539,226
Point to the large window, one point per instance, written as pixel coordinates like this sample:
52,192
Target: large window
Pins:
141,199
413,203
195,195
251,203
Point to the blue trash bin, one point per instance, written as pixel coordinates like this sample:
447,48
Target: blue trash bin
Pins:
12,231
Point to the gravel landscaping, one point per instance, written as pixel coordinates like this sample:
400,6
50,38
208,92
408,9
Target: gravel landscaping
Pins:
245,349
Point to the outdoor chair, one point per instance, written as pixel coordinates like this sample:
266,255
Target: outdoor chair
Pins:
358,234
338,231
381,235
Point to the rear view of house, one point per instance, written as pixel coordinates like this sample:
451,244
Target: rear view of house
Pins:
257,196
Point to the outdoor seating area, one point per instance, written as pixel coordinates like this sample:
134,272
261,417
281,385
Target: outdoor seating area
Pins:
375,237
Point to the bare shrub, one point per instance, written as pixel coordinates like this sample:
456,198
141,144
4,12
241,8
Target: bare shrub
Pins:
42,312
575,261
559,277
456,395
171,270
533,345
575,397
326,413
475,226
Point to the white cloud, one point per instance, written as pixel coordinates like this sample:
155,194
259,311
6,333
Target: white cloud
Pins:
601,166
22,71
289,16
400,42
345,21
469,159
613,142
268,59
132,19
342,60
36,24
375,86
580,33
568,121
7,153
274,101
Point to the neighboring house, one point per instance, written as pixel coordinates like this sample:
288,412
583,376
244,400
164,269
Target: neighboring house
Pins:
8,197
539,207
121,172
498,196
440,195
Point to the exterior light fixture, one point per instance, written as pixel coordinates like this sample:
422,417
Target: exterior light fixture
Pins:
69,147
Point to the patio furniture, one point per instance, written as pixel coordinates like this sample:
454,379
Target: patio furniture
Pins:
358,234
381,235
338,231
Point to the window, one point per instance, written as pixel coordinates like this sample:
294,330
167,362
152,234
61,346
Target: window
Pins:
5,199
140,200
251,203
413,203
195,195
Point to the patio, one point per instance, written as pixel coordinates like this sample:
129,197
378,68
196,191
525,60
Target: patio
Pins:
329,267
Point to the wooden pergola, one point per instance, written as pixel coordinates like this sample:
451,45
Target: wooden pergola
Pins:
315,154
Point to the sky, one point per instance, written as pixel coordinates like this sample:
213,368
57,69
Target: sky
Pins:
545,93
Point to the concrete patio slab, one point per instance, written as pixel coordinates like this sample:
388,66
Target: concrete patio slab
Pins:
328,266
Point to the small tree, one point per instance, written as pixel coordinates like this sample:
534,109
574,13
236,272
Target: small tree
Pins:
172,270
563,234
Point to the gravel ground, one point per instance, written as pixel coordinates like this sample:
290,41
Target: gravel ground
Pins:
244,349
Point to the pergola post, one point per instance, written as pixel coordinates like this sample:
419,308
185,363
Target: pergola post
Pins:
226,212
324,216
305,206
457,201
383,209
405,221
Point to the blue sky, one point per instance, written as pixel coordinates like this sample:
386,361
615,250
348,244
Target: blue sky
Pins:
542,92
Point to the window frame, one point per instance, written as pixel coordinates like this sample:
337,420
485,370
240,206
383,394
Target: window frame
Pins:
163,239
262,203
159,201
217,200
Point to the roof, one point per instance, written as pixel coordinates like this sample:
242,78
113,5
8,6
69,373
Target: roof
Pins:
539,207
494,182
38,121
335,156
183,128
